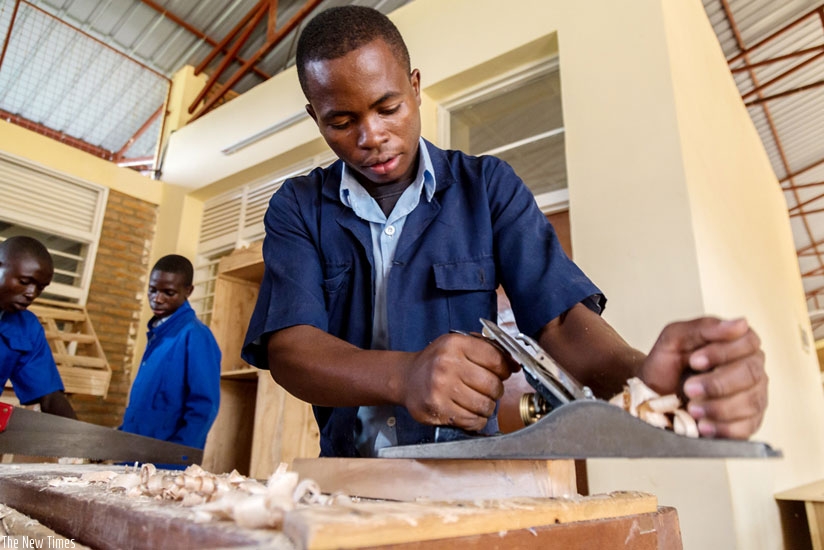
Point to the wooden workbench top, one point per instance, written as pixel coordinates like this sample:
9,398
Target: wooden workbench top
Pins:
100,518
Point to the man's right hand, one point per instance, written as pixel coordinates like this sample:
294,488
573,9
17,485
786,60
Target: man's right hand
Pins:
456,381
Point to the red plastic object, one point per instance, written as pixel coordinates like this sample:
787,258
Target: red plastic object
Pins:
5,414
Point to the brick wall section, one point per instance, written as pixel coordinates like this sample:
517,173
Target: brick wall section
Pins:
116,295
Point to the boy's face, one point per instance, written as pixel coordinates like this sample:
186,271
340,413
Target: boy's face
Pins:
167,292
367,109
22,279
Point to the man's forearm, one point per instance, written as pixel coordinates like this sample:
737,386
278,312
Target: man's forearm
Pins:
591,350
324,370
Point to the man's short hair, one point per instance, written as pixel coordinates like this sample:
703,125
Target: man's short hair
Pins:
337,31
174,263
22,246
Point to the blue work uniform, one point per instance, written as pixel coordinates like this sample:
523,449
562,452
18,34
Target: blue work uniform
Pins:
176,393
480,229
25,357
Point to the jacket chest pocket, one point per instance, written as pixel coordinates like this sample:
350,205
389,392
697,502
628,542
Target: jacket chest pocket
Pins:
469,289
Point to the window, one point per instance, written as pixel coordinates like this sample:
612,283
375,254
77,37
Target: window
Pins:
233,220
64,213
517,118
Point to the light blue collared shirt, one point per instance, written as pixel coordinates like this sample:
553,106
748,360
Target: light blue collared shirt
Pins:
378,422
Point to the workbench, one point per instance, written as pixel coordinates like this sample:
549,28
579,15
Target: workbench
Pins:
94,516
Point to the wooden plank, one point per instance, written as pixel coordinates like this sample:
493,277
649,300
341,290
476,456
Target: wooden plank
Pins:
85,381
81,361
102,519
58,314
285,428
815,519
233,306
268,432
363,524
811,491
70,336
300,436
20,531
245,263
655,531
229,443
410,480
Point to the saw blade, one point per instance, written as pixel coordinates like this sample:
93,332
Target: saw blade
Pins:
39,434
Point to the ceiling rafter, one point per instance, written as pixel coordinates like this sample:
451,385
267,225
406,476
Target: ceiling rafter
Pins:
198,33
265,8
744,55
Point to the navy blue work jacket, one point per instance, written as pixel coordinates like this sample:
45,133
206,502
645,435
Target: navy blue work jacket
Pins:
482,229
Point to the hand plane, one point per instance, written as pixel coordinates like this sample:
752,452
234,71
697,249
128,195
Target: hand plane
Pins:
566,421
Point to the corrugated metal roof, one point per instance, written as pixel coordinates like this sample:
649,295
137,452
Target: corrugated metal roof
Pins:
785,99
95,72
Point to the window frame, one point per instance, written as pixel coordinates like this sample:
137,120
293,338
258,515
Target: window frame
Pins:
549,202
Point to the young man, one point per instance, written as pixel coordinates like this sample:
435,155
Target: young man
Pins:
176,393
26,268
372,261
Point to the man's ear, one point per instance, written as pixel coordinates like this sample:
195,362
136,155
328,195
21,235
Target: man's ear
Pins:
189,290
311,112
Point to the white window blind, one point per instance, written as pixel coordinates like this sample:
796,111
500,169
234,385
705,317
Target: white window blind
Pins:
233,220
63,212
518,118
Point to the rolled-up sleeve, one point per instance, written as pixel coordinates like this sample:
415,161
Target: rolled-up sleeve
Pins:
291,292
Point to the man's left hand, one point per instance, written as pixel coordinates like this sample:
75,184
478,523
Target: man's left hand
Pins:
727,388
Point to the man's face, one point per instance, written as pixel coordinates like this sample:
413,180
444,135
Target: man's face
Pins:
22,279
167,292
367,109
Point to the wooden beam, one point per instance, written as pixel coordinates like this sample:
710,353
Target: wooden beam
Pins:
410,480
367,524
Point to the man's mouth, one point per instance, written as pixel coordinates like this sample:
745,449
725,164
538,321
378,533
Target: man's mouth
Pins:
385,167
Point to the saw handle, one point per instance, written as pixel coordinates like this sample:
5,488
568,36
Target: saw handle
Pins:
5,415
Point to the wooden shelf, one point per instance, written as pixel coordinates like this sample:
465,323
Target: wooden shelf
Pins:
259,425
250,373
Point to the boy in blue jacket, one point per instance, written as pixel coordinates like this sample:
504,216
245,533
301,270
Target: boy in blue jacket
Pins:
176,393
26,268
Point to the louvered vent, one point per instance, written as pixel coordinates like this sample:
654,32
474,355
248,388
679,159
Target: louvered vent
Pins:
47,200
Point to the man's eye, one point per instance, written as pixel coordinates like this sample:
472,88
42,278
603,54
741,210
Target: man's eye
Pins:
391,110
339,125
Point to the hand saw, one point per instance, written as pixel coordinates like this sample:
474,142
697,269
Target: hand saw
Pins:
574,423
33,433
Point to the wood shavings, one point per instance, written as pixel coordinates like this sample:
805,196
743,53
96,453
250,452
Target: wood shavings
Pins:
665,411
234,497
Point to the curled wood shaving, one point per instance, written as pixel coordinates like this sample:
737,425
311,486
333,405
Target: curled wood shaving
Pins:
663,411
248,502
232,496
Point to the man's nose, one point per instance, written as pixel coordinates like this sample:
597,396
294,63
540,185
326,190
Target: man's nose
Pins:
31,291
372,132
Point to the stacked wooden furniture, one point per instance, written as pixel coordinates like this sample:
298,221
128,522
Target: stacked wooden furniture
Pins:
74,344
259,424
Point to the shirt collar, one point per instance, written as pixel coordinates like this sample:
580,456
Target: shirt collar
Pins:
353,195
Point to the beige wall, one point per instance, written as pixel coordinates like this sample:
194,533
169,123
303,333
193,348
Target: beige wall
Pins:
681,215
